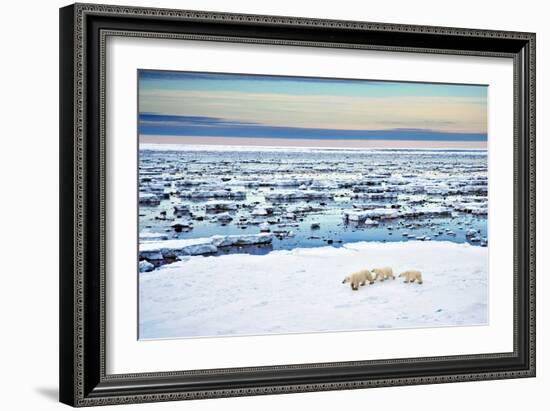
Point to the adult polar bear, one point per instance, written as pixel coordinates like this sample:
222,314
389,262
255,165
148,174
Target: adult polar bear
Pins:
411,276
359,278
383,273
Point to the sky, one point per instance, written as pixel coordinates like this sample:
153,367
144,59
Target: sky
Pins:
239,105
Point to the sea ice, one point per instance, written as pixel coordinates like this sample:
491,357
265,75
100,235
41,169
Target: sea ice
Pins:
301,290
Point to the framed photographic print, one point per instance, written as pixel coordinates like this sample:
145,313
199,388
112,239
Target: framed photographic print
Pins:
261,204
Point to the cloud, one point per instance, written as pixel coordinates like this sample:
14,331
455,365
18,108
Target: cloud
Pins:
152,124
466,114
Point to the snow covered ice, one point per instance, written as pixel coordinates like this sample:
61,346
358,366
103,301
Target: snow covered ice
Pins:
301,290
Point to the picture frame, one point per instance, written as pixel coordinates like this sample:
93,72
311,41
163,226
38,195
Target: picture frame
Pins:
84,30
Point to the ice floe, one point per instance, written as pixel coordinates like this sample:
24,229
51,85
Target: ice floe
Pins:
149,199
220,205
298,195
152,236
170,249
262,294
205,194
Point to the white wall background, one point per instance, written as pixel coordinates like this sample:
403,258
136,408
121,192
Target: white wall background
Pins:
29,203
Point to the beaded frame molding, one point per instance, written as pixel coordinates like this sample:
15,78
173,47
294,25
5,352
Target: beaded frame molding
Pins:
84,29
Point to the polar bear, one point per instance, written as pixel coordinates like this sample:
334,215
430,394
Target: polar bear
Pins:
412,276
358,278
383,273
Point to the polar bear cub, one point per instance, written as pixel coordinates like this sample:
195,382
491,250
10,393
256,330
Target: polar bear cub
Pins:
411,276
359,278
383,273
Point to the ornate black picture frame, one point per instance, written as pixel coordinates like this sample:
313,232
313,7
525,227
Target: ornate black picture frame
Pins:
83,31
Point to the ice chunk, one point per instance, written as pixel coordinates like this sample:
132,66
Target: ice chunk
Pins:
259,211
323,185
368,206
181,208
379,213
181,224
291,183
220,205
368,221
174,248
204,194
301,209
375,196
472,208
224,217
151,255
281,232
188,183
299,195
246,239
427,211
149,199
145,266
152,236
436,189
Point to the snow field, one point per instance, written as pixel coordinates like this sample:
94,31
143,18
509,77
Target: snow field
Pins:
301,290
